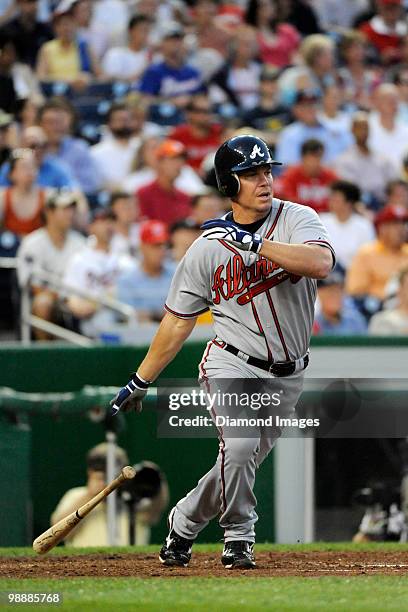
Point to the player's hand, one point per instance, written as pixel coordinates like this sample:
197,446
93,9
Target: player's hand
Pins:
221,229
130,397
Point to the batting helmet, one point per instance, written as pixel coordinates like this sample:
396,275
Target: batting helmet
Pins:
236,155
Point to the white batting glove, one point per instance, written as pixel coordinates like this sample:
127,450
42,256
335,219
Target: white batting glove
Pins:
221,229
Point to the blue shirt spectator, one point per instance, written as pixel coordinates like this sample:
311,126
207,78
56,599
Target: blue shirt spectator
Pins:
145,286
307,126
337,315
56,119
172,77
51,173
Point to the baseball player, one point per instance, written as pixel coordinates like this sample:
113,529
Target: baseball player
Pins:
255,269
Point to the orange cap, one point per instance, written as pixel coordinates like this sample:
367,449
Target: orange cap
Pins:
170,148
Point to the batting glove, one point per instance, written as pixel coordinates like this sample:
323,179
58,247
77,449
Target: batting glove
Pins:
130,397
221,229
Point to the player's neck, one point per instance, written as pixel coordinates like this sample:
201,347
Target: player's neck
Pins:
247,217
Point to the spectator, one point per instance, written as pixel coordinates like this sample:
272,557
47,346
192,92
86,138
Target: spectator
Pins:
331,115
269,115
51,172
94,269
401,81
337,315
278,41
125,239
114,154
206,206
6,121
112,18
397,193
172,79
370,170
161,200
301,15
93,529
394,69
357,78
306,126
385,31
17,80
348,230
206,32
375,263
66,58
95,37
237,82
55,119
21,204
48,250
128,63
199,134
182,235
144,171
388,135
309,182
333,14
27,33
316,71
145,286
393,322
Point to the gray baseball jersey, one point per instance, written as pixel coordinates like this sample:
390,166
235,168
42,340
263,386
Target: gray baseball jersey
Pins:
257,306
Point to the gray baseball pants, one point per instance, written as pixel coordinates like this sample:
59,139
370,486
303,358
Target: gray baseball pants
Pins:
227,489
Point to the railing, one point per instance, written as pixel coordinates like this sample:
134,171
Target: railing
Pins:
28,320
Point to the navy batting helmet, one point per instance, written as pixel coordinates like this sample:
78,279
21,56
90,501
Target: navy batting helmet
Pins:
237,154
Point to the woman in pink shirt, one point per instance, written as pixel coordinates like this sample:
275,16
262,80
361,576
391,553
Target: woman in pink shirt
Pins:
277,41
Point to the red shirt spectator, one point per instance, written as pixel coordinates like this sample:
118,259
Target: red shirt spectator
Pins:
309,182
199,134
386,30
161,200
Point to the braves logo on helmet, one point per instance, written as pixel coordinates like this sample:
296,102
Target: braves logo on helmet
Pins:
256,151
236,155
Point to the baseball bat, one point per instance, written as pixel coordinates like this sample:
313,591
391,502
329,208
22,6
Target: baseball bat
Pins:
57,532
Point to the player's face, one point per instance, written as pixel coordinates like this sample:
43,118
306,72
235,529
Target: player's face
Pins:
256,191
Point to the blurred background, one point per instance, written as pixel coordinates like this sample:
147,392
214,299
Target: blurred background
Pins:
110,115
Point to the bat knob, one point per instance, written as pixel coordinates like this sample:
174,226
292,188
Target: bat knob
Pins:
128,472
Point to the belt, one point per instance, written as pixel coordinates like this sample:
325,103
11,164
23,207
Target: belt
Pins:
280,368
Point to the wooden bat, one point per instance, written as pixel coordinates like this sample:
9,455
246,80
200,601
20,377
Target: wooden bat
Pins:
57,532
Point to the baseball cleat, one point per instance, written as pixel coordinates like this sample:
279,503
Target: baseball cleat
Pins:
238,554
176,550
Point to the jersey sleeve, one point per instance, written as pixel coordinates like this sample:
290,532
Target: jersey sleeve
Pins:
190,291
304,226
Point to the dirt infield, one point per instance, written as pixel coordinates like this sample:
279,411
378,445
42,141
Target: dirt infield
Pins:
313,563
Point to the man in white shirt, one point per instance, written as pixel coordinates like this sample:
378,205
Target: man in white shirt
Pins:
115,153
388,135
128,63
370,169
48,250
347,229
94,269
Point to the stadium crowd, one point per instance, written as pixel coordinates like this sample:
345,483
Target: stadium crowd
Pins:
111,112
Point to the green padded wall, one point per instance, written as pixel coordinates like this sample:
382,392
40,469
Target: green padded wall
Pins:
59,443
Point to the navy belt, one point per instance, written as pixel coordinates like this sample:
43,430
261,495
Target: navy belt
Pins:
280,368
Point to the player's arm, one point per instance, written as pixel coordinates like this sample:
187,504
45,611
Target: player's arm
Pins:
167,342
169,339
309,260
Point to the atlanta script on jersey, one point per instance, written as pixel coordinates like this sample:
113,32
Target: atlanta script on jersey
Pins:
257,306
